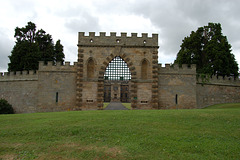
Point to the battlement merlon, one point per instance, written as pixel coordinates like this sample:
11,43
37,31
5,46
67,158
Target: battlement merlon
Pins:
49,66
19,76
175,69
114,40
219,80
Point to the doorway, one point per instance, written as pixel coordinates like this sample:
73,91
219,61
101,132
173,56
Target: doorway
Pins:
116,81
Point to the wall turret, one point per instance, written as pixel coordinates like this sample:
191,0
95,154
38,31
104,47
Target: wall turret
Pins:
177,86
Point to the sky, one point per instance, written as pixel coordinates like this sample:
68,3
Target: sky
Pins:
172,20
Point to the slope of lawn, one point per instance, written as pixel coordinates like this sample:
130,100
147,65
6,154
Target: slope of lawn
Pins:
128,134
105,104
225,106
127,105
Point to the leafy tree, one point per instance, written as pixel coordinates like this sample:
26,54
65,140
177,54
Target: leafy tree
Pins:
33,46
210,50
5,107
59,55
45,45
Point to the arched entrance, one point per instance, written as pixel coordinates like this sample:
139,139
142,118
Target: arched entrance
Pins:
96,76
117,78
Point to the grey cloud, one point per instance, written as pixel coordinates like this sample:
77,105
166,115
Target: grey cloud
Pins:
176,19
218,11
79,18
24,6
76,11
85,23
6,46
205,10
123,7
173,25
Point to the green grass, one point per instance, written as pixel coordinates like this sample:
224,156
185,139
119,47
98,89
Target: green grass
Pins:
127,105
128,134
105,104
225,106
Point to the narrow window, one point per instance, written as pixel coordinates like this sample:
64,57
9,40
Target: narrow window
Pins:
176,99
56,97
90,69
144,69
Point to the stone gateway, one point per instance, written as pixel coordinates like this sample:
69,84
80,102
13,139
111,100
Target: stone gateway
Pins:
114,68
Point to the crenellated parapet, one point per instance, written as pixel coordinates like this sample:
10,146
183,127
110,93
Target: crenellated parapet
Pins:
114,40
49,66
19,76
219,80
175,69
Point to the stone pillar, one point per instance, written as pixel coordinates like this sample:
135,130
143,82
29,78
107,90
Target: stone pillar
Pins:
100,90
155,79
79,79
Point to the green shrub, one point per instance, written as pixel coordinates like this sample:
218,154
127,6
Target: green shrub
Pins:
5,107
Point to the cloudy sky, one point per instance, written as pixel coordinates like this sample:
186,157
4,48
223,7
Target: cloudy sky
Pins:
171,19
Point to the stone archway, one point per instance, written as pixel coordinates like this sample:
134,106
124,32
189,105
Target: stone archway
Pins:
132,69
102,48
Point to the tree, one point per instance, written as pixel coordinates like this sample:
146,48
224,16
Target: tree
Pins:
59,55
31,47
209,50
5,107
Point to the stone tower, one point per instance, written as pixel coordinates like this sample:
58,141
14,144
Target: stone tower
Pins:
96,52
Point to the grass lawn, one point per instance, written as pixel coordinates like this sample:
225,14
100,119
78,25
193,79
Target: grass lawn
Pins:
127,105
105,104
225,106
127,134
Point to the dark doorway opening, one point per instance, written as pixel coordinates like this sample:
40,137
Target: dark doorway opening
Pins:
125,93
107,93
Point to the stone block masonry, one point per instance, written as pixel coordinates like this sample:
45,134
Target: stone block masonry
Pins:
217,90
56,87
100,51
19,76
177,87
20,90
114,40
51,88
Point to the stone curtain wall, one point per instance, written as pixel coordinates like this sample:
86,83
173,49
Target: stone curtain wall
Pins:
217,91
51,88
102,49
56,87
177,87
20,90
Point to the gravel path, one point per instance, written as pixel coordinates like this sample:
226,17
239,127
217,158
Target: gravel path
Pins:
115,106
